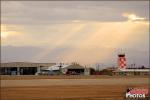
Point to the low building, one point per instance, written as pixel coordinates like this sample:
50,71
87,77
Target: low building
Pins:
72,69
132,72
26,68
22,68
75,69
123,69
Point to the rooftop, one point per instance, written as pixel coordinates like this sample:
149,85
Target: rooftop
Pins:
26,64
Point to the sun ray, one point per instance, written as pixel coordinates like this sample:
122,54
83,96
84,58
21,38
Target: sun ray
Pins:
4,35
61,41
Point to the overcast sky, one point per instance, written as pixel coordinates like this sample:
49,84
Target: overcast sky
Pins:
77,31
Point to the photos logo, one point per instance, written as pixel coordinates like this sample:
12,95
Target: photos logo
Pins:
136,93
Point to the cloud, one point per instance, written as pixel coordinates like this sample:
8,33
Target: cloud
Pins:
133,17
48,12
86,32
90,41
18,53
100,44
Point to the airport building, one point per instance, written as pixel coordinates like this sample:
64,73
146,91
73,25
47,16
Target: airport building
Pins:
22,68
25,68
72,69
132,72
123,70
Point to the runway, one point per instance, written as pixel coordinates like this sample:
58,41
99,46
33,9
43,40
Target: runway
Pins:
66,82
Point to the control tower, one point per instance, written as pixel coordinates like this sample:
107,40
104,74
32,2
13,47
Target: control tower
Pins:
121,61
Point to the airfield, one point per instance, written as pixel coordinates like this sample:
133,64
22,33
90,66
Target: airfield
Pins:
69,87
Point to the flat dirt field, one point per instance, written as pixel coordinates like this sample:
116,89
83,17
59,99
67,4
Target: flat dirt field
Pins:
104,88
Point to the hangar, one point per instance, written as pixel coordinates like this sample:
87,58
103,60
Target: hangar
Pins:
71,69
26,68
22,68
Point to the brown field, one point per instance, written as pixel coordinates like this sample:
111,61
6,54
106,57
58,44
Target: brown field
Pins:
102,88
92,92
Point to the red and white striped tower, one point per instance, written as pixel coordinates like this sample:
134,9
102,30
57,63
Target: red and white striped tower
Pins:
121,61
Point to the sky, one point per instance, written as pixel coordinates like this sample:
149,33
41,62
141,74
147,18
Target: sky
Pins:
86,32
